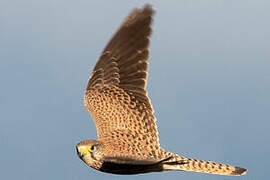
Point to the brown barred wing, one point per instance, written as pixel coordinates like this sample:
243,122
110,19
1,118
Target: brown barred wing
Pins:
124,60
116,96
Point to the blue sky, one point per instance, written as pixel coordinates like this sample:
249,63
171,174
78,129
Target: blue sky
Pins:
209,77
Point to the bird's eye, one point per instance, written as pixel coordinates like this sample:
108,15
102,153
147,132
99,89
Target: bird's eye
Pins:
91,148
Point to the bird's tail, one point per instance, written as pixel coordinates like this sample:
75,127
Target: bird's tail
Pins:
181,163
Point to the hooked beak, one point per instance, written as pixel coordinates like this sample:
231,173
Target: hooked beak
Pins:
81,151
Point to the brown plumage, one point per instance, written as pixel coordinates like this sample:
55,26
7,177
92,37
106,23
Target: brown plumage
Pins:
117,100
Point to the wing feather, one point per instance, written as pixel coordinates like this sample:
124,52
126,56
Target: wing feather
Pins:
116,96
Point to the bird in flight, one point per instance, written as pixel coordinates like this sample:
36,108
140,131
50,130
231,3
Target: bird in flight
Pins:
117,100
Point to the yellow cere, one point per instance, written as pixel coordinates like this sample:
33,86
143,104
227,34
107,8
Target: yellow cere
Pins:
83,149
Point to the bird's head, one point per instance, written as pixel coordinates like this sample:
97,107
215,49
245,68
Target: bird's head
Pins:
90,151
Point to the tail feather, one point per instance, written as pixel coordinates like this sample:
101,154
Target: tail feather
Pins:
202,166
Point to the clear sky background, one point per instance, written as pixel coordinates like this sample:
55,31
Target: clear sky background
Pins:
209,77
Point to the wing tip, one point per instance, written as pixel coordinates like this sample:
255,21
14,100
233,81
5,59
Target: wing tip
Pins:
140,13
148,9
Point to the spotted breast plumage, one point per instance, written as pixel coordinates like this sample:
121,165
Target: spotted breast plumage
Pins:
117,100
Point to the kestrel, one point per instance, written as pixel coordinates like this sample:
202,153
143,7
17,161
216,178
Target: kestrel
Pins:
117,100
